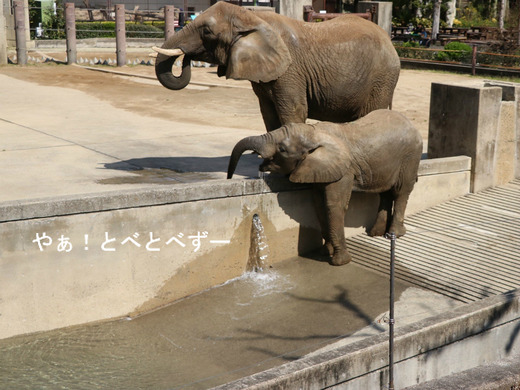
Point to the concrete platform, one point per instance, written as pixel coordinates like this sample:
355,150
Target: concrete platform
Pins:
59,141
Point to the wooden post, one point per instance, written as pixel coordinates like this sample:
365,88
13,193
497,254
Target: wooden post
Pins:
120,35
19,25
169,21
70,27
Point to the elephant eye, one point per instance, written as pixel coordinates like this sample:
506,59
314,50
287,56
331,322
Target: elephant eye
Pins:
207,31
282,149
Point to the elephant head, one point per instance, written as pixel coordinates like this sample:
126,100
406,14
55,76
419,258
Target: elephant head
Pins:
242,45
305,153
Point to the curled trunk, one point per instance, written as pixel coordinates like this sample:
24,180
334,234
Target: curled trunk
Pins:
163,70
262,144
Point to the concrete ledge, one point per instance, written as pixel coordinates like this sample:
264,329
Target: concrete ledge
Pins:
142,197
445,165
180,193
84,244
482,332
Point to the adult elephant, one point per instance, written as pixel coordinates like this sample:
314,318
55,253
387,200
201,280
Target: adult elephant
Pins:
337,70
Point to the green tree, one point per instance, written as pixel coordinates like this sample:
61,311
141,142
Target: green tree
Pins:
54,26
415,11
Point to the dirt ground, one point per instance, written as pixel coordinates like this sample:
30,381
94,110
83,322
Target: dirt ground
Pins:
234,106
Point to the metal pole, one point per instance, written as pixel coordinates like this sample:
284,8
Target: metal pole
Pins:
19,23
70,27
391,321
120,35
169,21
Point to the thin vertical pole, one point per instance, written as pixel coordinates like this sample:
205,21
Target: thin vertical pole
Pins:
474,60
436,19
391,236
518,28
120,35
169,21
70,27
19,23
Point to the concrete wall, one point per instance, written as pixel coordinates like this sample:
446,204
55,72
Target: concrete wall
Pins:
464,338
482,122
293,8
10,25
3,35
92,270
383,13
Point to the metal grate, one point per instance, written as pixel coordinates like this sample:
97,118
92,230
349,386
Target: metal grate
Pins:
467,248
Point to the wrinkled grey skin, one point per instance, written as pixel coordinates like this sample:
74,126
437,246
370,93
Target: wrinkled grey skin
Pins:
336,71
378,153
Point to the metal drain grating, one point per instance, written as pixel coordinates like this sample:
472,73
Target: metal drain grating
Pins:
467,248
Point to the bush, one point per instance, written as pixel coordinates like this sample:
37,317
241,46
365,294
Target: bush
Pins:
455,51
95,30
108,30
137,30
414,51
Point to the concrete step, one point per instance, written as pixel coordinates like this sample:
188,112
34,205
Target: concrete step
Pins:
501,375
466,249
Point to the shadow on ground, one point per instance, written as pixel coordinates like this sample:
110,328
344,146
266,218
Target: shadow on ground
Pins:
167,170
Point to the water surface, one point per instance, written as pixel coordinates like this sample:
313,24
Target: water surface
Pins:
244,326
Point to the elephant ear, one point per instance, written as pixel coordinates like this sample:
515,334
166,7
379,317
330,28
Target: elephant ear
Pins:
326,163
259,54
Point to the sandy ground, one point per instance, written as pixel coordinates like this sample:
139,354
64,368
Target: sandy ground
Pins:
235,106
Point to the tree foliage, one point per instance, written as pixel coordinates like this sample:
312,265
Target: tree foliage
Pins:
54,25
475,13
415,12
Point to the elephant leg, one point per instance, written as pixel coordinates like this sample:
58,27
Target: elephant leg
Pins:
292,109
397,226
319,206
267,108
384,214
337,197
401,195
281,102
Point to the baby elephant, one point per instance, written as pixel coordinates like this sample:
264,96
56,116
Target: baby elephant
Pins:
378,153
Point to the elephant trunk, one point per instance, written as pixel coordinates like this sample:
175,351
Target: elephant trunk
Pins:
166,58
264,145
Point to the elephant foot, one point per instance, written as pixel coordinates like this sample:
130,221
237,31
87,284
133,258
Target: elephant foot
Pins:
377,230
341,258
398,229
327,249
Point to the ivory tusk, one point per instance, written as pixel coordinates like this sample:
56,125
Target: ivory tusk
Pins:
168,52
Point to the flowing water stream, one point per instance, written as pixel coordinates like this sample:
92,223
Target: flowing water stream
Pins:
259,249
